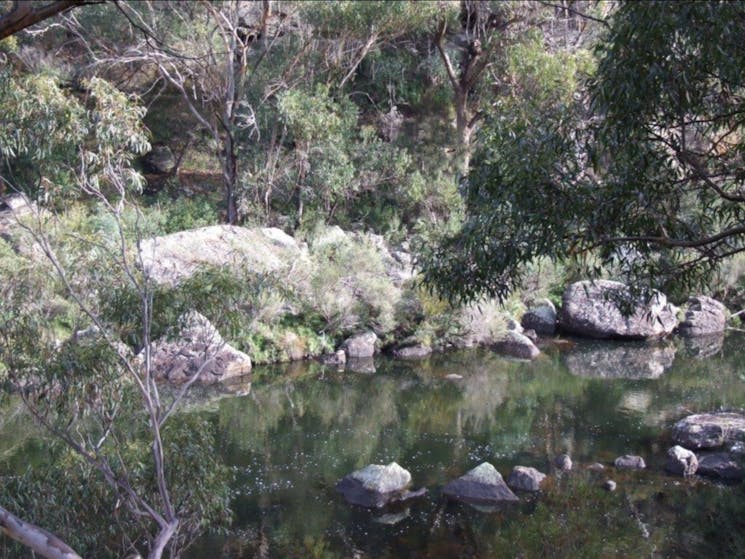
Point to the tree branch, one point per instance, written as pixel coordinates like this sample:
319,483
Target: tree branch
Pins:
37,539
26,13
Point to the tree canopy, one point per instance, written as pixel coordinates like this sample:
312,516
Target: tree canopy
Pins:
638,172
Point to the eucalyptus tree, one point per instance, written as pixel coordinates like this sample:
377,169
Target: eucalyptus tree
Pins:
88,390
637,172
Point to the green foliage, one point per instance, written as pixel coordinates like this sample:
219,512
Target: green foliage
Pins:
647,189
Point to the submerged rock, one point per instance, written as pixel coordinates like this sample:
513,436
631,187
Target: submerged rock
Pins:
630,462
703,316
376,486
595,309
709,430
198,349
524,478
721,465
517,345
681,461
482,485
631,360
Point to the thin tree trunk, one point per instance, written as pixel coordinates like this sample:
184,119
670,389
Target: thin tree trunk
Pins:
37,539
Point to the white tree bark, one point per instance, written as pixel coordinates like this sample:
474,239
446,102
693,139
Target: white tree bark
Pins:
37,539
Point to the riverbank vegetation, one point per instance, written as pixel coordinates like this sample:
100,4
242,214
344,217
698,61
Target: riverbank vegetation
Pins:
431,169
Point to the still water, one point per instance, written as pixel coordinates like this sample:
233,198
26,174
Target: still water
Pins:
297,430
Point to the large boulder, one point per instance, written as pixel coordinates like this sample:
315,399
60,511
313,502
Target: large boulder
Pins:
608,309
541,319
483,485
360,346
517,345
703,316
681,461
159,160
631,360
721,465
710,430
377,485
524,478
172,258
197,349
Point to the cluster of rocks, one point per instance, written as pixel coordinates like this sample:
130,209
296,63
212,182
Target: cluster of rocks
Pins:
483,487
376,486
709,444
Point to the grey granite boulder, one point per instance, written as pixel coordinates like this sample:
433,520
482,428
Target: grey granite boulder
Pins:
483,485
360,346
523,478
630,462
709,430
681,461
377,485
609,309
703,316
197,349
721,465
517,345
541,319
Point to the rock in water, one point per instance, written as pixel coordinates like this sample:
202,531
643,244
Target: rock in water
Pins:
524,478
709,430
630,462
482,486
517,345
361,345
704,315
681,461
198,348
377,485
595,309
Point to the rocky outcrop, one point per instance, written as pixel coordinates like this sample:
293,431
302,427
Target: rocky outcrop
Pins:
360,346
709,430
172,258
541,319
703,316
681,461
523,478
517,345
159,160
482,486
721,465
197,349
631,360
630,462
609,309
377,485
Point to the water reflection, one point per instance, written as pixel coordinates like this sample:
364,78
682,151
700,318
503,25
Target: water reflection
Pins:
292,434
629,360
